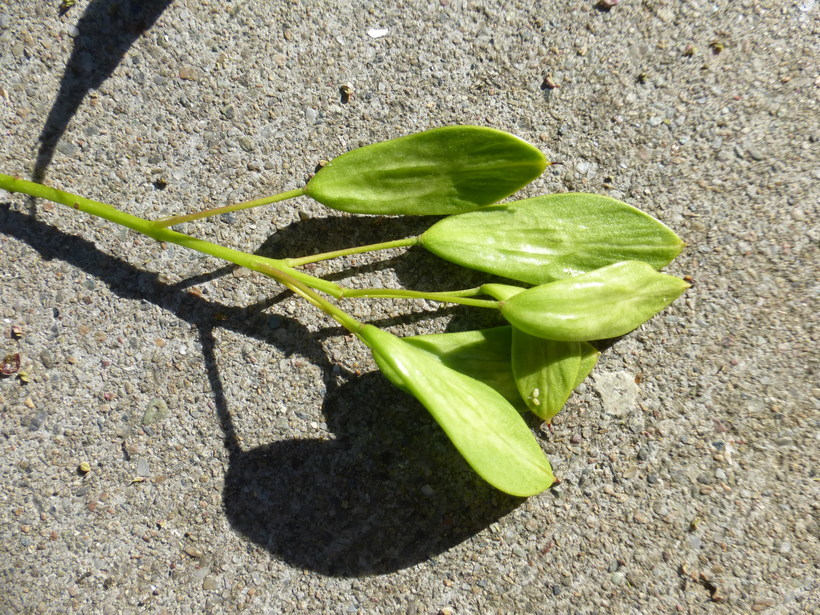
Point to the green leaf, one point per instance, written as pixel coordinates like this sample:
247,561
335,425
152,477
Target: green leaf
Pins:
589,357
547,371
487,431
551,237
440,171
483,355
604,303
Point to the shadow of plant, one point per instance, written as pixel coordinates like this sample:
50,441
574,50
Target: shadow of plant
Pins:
416,268
107,30
388,491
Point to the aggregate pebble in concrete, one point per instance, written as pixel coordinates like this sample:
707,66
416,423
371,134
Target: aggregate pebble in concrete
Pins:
243,455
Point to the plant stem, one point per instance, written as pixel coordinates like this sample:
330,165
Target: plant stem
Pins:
268,266
298,281
315,258
458,296
314,298
205,213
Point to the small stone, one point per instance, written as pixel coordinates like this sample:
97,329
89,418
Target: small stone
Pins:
188,72
618,391
192,551
209,583
37,421
631,471
246,144
761,604
157,411
66,148
640,518
74,32
755,154
48,359
614,565
377,32
785,547
142,468
618,578
84,468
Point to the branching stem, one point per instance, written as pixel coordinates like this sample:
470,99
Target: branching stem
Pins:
146,227
280,270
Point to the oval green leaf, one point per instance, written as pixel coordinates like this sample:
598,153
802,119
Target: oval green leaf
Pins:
547,371
440,171
483,355
487,431
604,303
552,237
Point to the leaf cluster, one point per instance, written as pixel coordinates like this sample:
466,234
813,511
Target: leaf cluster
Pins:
588,264
580,268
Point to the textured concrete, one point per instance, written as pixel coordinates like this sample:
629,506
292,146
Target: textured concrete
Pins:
244,455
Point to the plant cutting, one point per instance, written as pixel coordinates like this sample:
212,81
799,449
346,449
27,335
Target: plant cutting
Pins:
579,268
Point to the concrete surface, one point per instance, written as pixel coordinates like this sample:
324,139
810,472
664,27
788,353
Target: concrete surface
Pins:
245,457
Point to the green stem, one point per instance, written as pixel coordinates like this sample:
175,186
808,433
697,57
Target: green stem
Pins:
311,296
298,281
458,296
267,266
386,245
205,213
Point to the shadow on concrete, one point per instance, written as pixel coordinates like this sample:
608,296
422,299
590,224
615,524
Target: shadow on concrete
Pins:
388,491
107,30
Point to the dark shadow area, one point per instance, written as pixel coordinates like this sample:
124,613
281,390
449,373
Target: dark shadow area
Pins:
387,492
107,30
128,282
416,268
336,232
